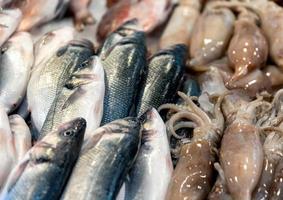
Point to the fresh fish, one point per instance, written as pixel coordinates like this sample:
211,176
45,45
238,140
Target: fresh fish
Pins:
52,76
181,23
106,158
156,13
9,21
248,48
46,167
15,66
50,42
82,16
151,173
123,63
164,74
211,35
37,12
7,151
21,135
81,96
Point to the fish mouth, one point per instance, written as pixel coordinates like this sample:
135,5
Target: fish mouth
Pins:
79,124
83,43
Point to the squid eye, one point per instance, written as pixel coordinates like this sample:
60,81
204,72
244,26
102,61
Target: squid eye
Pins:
69,133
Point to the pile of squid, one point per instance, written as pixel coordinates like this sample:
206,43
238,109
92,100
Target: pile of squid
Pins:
141,99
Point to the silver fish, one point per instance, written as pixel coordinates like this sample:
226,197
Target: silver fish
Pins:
105,160
15,66
46,167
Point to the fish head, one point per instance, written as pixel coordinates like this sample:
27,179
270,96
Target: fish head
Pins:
56,146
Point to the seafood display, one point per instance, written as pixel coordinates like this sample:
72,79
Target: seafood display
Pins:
141,99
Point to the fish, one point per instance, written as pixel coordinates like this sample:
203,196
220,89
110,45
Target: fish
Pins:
38,12
156,12
105,160
9,21
151,173
44,171
16,61
21,135
7,150
82,16
163,78
211,35
81,96
248,48
50,42
181,23
51,78
124,64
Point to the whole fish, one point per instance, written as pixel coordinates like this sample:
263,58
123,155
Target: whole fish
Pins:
181,23
151,172
82,16
49,43
81,96
44,171
106,158
52,76
16,61
9,21
163,78
156,13
123,63
211,35
37,12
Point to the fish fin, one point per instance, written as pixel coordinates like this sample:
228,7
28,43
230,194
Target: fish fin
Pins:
73,97
15,175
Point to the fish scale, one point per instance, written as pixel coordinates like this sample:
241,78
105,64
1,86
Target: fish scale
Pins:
123,65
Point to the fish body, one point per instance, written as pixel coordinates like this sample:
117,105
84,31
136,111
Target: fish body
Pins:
45,169
52,77
81,96
163,78
9,21
123,64
151,172
106,158
15,67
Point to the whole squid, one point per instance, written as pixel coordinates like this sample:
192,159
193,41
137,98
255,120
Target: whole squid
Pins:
211,35
16,61
181,23
9,21
193,175
152,170
248,48
155,11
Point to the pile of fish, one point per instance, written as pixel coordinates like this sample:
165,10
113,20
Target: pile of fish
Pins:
141,99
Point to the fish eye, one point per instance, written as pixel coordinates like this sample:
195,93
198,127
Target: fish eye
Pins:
69,133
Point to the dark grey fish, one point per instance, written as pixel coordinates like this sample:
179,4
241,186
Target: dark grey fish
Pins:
48,78
165,72
123,63
105,160
44,171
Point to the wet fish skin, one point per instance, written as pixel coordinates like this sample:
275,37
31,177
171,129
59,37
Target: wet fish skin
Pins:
45,169
152,170
52,76
123,64
15,66
9,20
105,160
37,12
81,96
163,78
